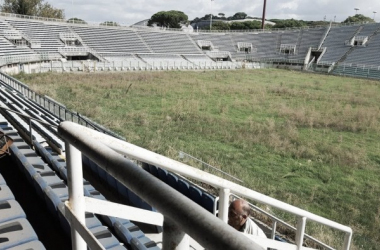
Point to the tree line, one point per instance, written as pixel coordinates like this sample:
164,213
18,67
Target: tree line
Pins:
172,18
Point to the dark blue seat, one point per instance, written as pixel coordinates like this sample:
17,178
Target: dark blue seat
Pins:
153,170
32,245
195,194
105,237
41,181
173,180
6,193
145,166
120,247
10,210
135,200
122,190
183,187
110,220
208,202
126,231
2,180
54,195
163,175
97,195
16,232
111,181
143,243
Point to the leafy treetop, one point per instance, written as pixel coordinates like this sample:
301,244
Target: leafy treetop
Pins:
76,20
171,19
358,18
109,23
32,8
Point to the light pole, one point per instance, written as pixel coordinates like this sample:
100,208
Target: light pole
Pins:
211,14
356,10
374,14
264,11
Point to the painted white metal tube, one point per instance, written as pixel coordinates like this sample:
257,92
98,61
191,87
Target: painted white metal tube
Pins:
301,224
147,156
224,197
97,206
274,228
76,195
347,241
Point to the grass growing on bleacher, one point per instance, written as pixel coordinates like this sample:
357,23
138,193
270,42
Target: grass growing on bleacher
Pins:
309,140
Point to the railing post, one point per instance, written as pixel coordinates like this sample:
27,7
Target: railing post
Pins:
224,197
347,241
301,223
173,237
76,195
274,227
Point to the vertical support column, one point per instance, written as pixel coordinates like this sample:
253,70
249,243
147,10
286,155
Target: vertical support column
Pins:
274,228
173,237
76,195
301,224
224,198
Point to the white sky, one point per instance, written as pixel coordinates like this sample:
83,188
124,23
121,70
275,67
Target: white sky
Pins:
128,12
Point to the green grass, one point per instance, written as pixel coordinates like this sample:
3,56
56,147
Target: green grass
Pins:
307,139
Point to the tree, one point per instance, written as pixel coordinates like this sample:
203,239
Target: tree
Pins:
288,23
76,20
358,18
109,23
32,8
238,16
248,25
171,19
219,25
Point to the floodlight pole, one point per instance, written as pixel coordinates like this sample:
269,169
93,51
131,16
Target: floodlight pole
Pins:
264,11
211,14
374,14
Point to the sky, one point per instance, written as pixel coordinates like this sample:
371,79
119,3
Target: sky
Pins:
128,12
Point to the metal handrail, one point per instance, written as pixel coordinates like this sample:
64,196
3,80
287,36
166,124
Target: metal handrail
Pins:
179,211
58,110
223,185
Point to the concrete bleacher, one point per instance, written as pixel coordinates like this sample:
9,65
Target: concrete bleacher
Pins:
46,33
368,55
169,42
335,42
11,52
111,40
15,230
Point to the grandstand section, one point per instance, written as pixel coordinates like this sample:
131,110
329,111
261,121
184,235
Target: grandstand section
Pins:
25,40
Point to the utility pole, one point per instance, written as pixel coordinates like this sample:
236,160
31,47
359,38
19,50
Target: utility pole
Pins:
264,11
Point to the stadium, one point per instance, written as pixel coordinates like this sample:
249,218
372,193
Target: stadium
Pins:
157,202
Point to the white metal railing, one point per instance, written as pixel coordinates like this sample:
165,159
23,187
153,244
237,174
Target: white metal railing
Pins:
102,149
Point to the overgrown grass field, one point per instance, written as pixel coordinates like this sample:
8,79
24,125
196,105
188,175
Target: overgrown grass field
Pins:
309,140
